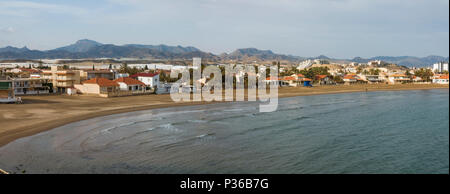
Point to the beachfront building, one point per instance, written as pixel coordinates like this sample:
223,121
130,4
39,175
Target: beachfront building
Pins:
373,79
30,86
276,81
417,79
324,80
62,79
442,79
99,86
151,80
350,79
398,79
130,84
290,80
7,94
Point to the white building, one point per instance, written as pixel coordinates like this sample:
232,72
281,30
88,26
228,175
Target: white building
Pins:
130,84
442,79
440,67
305,64
196,61
149,79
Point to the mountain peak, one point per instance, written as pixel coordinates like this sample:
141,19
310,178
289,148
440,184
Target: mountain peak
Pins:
87,41
82,45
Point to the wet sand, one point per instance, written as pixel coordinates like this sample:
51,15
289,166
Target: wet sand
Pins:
41,113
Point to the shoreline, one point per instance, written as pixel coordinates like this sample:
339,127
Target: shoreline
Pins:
38,115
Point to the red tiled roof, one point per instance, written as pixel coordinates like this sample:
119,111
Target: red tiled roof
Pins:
101,82
129,81
349,77
144,75
289,78
300,75
321,76
443,77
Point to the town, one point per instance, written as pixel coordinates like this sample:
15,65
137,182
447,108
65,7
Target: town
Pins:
124,79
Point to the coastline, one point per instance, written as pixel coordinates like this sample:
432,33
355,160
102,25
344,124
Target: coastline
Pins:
43,113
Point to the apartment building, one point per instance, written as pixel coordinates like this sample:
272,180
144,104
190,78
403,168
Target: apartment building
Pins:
440,67
62,79
30,86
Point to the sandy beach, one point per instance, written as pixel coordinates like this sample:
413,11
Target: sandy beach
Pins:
41,113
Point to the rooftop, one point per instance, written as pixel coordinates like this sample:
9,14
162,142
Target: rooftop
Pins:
144,75
129,81
101,82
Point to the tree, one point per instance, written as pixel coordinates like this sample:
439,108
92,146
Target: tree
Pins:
374,72
338,79
124,68
311,73
425,74
359,69
408,74
365,72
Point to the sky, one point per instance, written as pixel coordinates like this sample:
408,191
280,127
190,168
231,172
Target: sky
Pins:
335,28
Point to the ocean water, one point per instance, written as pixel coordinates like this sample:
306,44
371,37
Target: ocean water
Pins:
373,132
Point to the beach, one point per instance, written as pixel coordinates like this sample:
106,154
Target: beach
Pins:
41,113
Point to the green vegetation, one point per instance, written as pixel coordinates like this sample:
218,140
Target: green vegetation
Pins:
374,72
311,73
425,74
125,69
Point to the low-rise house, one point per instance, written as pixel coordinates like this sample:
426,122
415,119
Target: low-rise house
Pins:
349,79
398,78
290,80
442,79
417,79
373,79
278,81
353,79
99,86
324,80
151,80
130,84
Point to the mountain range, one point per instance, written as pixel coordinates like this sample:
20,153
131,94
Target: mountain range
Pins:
91,49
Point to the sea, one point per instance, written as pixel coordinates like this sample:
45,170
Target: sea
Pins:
392,132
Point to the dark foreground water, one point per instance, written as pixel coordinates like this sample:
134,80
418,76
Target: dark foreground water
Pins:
375,132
